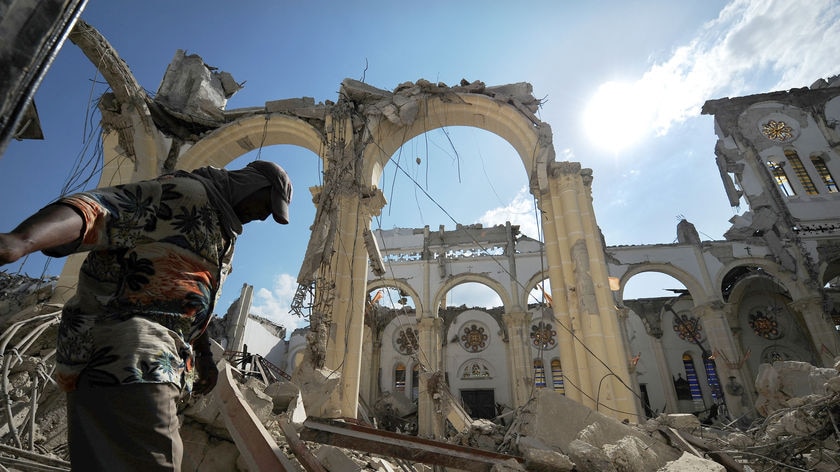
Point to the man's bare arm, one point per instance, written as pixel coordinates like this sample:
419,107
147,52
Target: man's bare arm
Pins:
52,227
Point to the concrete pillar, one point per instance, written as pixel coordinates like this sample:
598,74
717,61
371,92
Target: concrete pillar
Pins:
556,248
369,388
729,358
428,333
237,336
580,289
821,331
347,272
520,364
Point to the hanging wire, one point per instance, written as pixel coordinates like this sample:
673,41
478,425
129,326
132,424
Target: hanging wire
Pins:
504,269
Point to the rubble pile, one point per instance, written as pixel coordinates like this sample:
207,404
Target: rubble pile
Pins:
798,408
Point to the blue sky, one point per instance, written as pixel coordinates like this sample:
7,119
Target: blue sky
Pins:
652,155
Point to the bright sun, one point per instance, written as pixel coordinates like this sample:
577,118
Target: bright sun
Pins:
613,119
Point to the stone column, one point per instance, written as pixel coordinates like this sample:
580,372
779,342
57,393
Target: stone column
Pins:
369,388
821,331
520,364
590,342
428,332
348,272
729,359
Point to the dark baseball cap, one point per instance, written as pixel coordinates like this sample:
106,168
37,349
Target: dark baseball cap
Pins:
281,188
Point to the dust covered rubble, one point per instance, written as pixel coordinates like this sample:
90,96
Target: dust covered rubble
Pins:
797,428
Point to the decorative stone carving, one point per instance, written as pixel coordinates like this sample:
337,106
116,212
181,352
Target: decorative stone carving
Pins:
476,369
688,328
764,324
407,341
474,338
542,335
777,131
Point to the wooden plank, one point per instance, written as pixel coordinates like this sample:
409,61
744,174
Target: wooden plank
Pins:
256,445
386,443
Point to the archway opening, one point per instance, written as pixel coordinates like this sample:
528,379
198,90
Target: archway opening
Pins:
456,175
267,255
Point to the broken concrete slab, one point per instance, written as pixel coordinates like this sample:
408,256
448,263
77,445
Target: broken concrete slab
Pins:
335,460
192,88
631,454
208,453
584,424
782,381
588,458
682,421
542,460
691,463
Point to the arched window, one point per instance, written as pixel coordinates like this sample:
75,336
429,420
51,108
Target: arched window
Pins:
691,377
781,178
539,373
801,173
712,377
557,376
825,174
399,377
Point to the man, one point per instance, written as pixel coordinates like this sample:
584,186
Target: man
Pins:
134,334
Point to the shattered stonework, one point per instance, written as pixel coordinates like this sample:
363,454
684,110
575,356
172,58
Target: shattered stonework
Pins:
799,429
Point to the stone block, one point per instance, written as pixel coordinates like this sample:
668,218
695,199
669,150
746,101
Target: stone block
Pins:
543,460
260,403
335,460
691,463
282,393
588,458
685,421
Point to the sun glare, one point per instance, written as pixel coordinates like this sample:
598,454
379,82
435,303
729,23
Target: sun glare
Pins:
613,119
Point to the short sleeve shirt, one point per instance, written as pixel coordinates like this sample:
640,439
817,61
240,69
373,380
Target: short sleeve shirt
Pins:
147,287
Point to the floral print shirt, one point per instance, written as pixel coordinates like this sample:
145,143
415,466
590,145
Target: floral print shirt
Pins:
148,285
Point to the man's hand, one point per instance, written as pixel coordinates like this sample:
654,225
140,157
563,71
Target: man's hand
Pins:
206,372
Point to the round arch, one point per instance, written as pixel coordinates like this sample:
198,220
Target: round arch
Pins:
532,284
695,288
234,139
464,278
472,110
772,269
402,285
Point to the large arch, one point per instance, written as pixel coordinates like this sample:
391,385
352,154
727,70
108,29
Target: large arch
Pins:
771,268
532,284
234,139
473,110
402,285
695,288
478,278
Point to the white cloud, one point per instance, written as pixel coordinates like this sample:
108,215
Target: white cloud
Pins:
274,304
791,43
520,211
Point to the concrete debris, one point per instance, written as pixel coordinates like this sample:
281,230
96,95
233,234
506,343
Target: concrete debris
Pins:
401,106
18,292
543,460
585,433
190,88
782,382
800,404
691,463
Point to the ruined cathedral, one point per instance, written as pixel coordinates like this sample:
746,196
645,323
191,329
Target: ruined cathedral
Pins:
766,293
382,336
